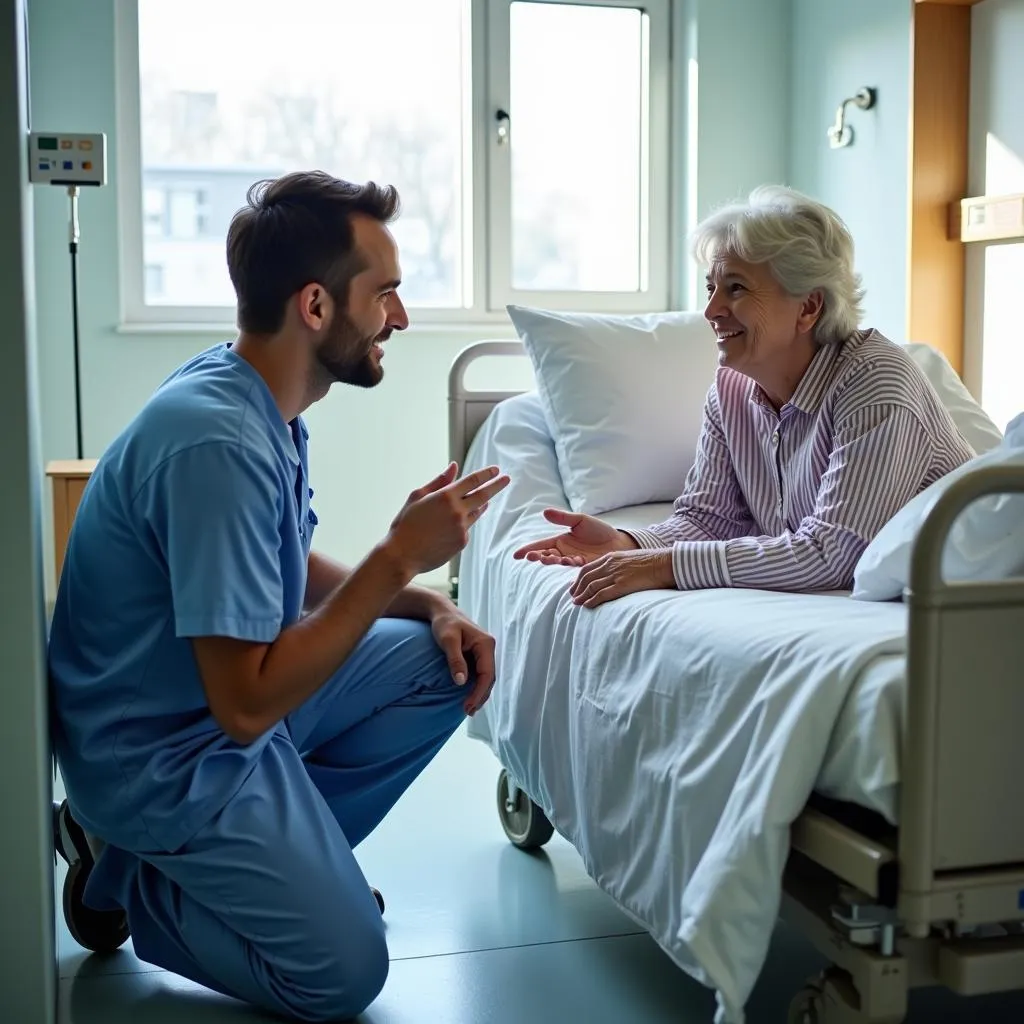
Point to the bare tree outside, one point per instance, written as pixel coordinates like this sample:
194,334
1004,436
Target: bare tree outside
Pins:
221,151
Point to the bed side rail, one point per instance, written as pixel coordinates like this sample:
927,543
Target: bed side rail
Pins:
467,410
963,756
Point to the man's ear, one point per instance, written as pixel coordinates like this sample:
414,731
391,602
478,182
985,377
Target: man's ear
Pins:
315,307
810,312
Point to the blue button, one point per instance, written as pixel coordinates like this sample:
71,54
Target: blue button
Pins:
69,165
44,165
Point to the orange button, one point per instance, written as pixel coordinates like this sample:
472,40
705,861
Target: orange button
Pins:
86,165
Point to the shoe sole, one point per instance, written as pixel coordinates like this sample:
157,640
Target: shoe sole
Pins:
100,931
69,839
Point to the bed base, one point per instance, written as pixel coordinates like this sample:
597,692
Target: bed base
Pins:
940,901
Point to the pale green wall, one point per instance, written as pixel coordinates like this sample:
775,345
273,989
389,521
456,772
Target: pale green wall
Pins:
742,54
839,46
368,449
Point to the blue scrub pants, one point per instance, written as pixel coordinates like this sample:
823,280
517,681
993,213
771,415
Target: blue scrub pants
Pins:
267,903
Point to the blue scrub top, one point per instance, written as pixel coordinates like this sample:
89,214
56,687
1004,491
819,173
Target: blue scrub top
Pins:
196,522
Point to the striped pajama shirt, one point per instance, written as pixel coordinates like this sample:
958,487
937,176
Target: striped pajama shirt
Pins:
789,500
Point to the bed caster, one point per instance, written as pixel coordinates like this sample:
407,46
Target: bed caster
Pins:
832,999
806,1007
524,822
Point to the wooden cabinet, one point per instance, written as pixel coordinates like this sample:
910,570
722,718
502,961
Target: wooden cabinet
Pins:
68,478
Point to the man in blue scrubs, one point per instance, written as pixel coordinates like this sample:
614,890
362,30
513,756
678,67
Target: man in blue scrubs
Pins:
234,712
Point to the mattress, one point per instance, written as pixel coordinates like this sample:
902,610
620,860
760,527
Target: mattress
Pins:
861,762
673,737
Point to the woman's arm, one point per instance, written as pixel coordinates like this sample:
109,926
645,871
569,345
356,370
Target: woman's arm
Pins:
878,463
712,506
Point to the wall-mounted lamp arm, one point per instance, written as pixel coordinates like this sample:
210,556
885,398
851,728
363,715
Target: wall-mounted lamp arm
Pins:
840,134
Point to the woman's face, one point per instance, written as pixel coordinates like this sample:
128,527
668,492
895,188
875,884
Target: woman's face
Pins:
760,328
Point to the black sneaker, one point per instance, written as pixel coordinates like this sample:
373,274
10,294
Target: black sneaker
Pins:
101,931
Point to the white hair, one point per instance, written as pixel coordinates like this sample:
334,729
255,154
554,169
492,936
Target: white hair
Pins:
805,244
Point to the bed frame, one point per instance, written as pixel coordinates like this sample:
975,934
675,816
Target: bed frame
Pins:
940,901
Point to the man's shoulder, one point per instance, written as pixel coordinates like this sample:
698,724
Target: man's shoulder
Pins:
209,394
207,408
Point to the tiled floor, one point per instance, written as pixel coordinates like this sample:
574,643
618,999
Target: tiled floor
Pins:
481,933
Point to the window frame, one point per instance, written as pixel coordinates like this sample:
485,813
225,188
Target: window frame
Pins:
487,222
655,239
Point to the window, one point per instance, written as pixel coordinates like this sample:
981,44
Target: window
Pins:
153,212
154,280
529,140
578,85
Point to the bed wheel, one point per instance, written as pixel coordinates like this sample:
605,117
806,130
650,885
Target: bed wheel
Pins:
832,999
524,822
806,1007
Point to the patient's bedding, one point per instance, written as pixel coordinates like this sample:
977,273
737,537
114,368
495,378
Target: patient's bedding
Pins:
673,737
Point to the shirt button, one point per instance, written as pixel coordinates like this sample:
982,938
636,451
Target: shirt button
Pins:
775,439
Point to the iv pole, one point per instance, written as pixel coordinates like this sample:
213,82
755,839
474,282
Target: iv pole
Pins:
70,160
73,237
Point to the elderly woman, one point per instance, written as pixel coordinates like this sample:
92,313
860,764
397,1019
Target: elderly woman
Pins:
815,432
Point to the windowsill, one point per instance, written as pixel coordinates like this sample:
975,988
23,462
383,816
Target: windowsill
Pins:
496,325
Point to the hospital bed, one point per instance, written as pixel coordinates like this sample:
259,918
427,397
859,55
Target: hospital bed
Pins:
901,857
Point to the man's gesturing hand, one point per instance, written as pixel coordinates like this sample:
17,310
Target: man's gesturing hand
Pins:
434,523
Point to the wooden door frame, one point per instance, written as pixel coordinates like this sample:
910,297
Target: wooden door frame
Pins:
940,90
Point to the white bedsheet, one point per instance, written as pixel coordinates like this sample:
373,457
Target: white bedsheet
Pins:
673,737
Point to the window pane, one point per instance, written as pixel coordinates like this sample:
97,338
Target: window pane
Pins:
153,212
578,78
362,90
1002,355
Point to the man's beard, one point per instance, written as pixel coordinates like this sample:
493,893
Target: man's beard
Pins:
346,355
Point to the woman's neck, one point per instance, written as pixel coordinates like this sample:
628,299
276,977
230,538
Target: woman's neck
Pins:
779,382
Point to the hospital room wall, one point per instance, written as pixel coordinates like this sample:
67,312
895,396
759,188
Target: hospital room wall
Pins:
734,111
369,448
838,47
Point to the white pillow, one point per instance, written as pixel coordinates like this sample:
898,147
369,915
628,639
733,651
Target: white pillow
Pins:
985,543
975,424
624,399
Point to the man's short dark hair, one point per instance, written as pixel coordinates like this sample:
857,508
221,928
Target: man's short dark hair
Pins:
293,231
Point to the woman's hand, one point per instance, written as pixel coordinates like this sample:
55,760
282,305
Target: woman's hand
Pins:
623,572
587,538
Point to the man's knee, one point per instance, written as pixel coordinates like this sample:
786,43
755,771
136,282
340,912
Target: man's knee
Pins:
343,989
427,662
